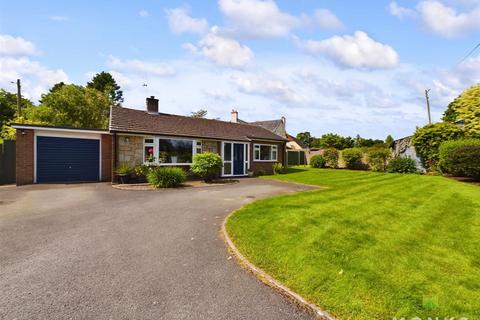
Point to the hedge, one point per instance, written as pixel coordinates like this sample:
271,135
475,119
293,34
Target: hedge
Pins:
460,158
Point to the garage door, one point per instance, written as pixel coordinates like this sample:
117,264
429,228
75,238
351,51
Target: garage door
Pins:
67,159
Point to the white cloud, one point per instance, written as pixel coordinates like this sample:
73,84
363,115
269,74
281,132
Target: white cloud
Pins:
59,18
36,78
222,50
327,20
139,66
15,46
180,21
143,13
268,87
357,51
446,21
400,12
257,18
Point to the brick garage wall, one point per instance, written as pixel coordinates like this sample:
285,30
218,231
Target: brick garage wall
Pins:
106,157
266,167
24,156
130,150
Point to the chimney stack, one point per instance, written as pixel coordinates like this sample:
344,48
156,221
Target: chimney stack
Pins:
152,105
234,115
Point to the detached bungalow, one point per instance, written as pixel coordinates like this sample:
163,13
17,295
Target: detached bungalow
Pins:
56,154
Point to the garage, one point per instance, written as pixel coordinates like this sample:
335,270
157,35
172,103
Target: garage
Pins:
62,159
48,154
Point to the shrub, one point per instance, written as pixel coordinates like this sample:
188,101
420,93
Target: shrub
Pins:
123,168
331,157
427,140
278,168
353,158
207,165
461,157
402,165
166,177
260,173
378,158
317,161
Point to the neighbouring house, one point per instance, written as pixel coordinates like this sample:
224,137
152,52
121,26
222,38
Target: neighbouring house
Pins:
58,154
404,148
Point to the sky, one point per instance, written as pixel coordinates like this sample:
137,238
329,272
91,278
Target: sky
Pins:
348,67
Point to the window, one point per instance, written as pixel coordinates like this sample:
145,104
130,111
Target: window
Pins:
199,147
175,151
148,151
265,152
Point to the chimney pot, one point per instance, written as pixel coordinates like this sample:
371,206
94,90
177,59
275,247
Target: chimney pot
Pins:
234,116
152,105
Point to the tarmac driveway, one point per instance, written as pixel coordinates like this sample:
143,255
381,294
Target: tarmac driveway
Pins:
89,251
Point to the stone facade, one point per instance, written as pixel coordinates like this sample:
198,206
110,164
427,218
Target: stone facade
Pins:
130,150
211,146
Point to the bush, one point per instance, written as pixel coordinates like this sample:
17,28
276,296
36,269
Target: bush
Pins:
378,158
402,165
331,157
461,157
427,141
317,161
278,168
207,165
166,177
353,158
123,169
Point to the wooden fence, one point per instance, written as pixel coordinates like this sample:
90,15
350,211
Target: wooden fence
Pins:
296,158
7,162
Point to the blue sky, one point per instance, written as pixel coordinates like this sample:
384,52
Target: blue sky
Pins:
328,66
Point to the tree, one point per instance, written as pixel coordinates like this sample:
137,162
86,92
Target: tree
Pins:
104,82
8,112
199,114
363,142
305,138
389,141
72,106
466,108
332,140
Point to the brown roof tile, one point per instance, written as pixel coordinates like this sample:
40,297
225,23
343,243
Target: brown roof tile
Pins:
138,121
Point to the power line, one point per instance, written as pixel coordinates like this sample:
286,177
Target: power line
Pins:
470,53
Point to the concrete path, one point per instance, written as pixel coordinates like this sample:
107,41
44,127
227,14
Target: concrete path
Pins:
89,251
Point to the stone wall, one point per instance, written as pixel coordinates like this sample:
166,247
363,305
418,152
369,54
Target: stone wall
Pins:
130,150
211,146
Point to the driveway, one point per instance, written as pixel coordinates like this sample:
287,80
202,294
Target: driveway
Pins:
89,251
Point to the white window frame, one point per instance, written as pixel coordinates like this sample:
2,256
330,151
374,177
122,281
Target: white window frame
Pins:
246,155
156,149
272,148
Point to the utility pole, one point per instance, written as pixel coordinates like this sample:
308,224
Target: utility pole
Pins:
428,106
19,97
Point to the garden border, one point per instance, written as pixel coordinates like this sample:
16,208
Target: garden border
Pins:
269,280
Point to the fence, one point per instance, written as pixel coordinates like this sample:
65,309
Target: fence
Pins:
7,162
296,158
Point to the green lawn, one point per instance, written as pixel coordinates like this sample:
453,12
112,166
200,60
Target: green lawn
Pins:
370,245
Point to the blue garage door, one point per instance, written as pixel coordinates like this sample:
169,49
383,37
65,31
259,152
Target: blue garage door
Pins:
67,159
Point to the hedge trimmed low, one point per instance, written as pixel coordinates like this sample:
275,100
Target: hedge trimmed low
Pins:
166,177
353,158
402,165
317,161
460,158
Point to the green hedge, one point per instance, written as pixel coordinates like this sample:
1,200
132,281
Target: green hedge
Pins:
353,158
166,177
317,161
402,165
207,165
331,157
378,158
461,157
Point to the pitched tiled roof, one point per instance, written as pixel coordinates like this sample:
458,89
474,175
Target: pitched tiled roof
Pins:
138,121
276,126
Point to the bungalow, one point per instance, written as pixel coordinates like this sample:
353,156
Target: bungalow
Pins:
58,154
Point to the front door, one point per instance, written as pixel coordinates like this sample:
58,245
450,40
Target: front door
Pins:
238,159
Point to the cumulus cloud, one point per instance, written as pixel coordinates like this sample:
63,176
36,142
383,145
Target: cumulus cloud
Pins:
143,13
327,20
400,12
356,51
179,21
221,49
13,46
36,78
268,87
446,21
139,66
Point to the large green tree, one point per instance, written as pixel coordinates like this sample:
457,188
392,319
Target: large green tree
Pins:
466,108
8,112
305,138
104,82
72,106
332,140
202,113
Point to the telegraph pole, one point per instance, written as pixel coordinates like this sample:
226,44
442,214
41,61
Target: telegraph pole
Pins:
428,106
19,97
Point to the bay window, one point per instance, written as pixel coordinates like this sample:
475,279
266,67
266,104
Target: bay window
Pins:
265,152
168,151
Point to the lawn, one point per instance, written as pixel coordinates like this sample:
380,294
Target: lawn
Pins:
370,245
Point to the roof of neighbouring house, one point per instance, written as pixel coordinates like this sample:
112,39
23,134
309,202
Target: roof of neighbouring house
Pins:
293,139
275,126
139,121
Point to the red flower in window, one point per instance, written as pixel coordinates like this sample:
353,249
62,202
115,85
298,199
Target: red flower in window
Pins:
150,151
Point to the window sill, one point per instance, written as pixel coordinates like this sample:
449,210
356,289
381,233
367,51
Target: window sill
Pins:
166,164
265,160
